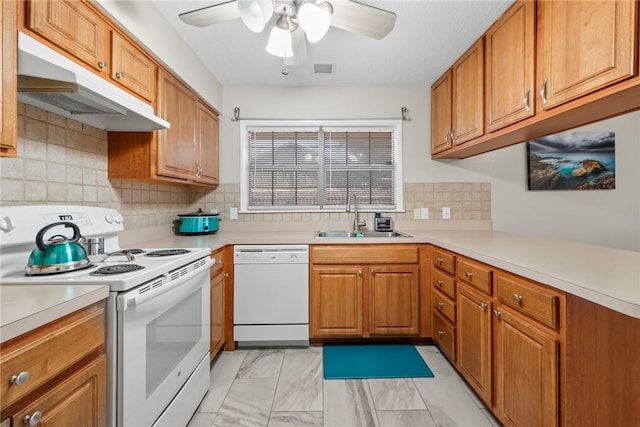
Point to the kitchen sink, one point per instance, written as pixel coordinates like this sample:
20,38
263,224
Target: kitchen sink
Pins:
353,234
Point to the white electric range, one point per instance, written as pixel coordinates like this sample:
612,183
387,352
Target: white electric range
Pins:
158,307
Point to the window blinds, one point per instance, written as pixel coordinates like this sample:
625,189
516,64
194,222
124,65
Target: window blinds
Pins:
291,169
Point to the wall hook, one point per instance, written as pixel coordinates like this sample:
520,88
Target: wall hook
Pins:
405,114
236,114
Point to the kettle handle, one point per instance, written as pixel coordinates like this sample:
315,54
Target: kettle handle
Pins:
40,236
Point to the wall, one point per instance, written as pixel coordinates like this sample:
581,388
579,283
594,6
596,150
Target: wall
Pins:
608,217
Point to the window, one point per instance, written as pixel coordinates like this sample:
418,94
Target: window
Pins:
315,165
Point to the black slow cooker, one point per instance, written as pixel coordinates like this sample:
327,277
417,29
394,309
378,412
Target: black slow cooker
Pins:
197,222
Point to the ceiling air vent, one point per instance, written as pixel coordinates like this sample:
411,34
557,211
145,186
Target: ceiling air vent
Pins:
323,69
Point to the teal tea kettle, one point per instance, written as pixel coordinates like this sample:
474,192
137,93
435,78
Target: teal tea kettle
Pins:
59,254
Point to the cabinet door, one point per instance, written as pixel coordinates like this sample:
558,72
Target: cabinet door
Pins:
208,145
336,301
468,95
394,298
441,114
132,68
72,26
8,112
217,313
176,145
78,401
474,339
586,45
526,373
510,72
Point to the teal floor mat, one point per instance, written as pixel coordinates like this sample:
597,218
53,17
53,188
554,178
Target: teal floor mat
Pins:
354,361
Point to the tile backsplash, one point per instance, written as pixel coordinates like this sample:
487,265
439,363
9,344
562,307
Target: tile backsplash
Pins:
62,161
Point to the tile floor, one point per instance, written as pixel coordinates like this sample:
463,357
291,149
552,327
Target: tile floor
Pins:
285,388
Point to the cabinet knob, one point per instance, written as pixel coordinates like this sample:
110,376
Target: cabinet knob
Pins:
483,305
103,64
440,304
439,261
440,333
120,74
359,272
517,298
225,275
469,275
497,313
33,419
20,379
440,283
543,91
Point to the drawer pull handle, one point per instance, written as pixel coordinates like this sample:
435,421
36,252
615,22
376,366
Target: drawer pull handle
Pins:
525,100
439,260
440,283
517,298
497,313
469,275
102,64
440,333
33,419
20,379
543,92
483,305
440,304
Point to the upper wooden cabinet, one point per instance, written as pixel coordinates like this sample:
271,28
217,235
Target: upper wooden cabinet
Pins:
468,95
187,153
441,113
510,62
550,66
131,68
74,27
585,46
8,113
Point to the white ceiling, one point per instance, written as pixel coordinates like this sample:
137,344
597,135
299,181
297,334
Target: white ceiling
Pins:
428,37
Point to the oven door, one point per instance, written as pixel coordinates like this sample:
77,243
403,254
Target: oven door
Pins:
162,335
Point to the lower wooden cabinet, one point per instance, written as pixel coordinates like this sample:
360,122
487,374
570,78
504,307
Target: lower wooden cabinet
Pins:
61,372
474,340
351,298
526,372
219,277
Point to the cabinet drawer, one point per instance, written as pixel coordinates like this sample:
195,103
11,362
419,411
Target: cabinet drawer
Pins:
49,350
364,254
444,260
444,283
444,305
528,298
475,274
445,336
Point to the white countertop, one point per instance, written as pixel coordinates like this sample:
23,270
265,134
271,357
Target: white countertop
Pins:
27,307
607,276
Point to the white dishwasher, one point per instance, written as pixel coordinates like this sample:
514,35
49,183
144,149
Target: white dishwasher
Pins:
271,295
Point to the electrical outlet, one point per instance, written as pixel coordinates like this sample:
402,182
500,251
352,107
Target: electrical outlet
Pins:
446,213
416,213
424,213
233,213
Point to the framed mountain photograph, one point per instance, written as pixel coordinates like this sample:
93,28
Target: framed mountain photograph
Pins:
572,161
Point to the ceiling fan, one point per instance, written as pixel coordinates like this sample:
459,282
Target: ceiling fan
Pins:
294,22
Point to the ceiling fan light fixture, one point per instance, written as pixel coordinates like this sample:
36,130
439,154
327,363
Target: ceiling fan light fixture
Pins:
280,42
255,13
315,20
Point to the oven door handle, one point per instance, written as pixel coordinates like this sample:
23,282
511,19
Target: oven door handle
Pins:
135,298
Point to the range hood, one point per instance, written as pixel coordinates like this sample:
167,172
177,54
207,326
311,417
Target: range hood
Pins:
49,80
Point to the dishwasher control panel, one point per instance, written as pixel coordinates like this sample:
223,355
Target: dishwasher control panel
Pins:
271,254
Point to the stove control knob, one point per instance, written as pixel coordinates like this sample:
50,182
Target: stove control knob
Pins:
6,224
119,218
109,218
294,258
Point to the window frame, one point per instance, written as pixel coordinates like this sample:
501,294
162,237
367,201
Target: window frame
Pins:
395,125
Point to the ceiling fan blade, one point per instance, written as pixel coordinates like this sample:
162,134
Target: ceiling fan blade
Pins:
299,48
362,19
211,14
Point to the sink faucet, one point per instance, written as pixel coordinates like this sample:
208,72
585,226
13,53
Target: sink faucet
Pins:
356,222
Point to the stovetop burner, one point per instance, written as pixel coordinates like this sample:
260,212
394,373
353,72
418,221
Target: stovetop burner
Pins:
116,269
167,252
